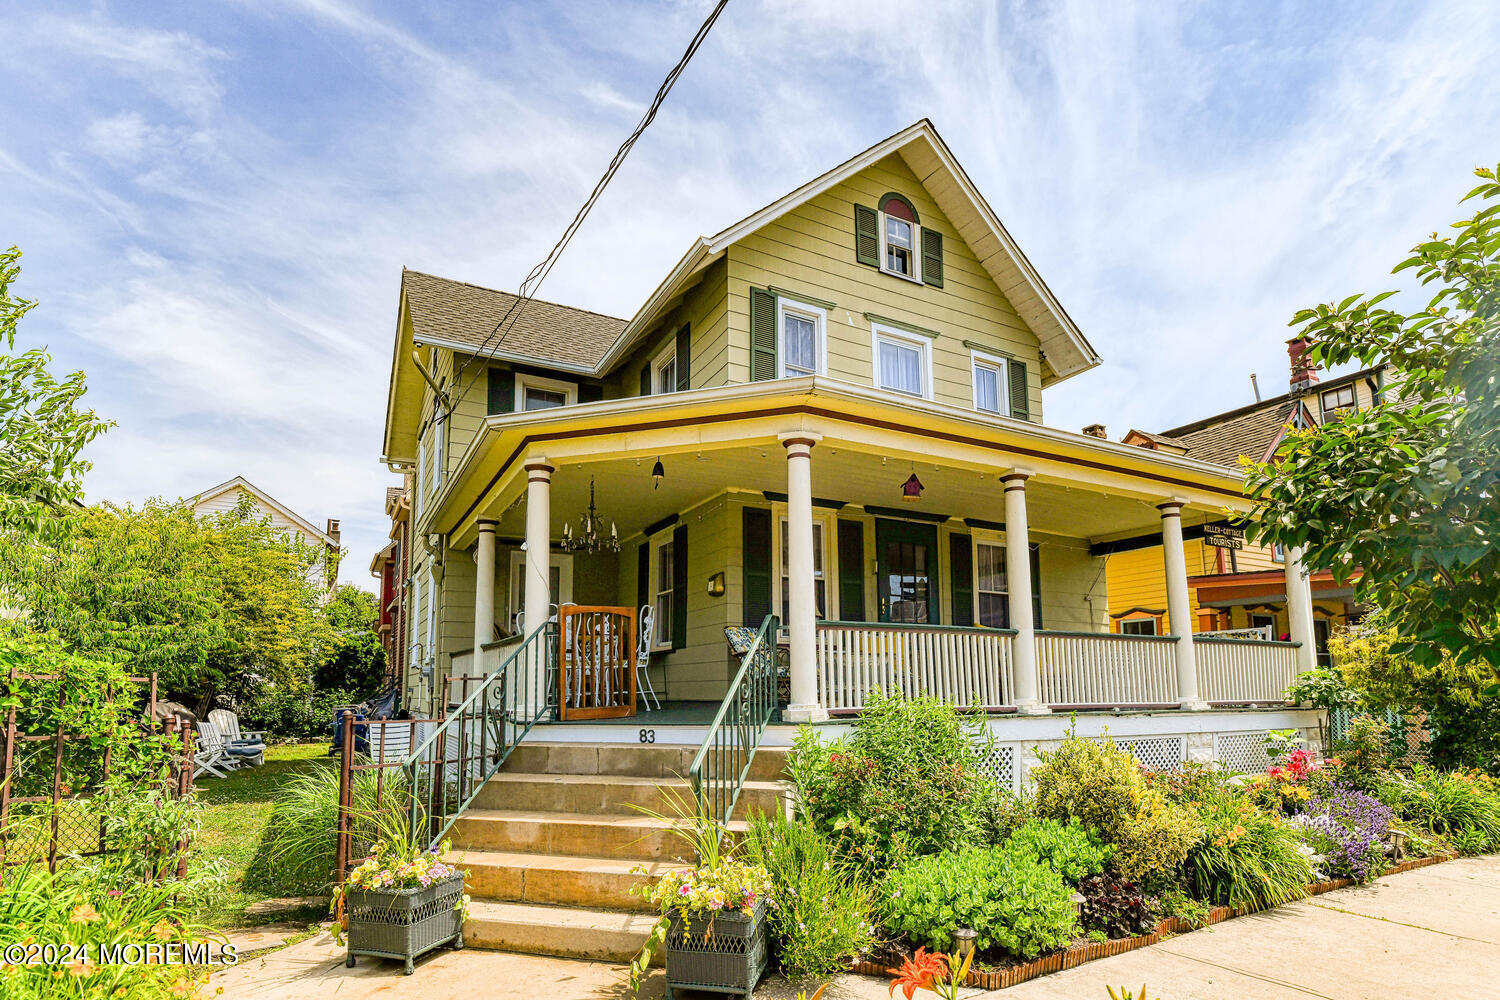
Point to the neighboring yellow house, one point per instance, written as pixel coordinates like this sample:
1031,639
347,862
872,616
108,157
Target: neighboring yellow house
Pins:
1236,588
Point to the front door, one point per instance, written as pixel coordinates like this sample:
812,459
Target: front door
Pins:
906,572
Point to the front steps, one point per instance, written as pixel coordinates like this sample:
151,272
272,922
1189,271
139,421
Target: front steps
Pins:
552,843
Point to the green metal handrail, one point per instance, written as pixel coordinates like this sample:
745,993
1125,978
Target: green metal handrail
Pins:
446,771
719,768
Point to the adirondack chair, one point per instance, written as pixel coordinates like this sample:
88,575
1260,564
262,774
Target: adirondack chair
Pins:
211,754
229,725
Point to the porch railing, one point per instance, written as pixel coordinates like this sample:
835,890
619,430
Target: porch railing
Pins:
465,749
1244,671
1105,669
718,770
968,666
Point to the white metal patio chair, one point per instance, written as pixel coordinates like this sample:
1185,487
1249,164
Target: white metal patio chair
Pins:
646,627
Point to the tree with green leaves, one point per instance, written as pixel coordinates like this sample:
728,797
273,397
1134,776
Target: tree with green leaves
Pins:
43,428
355,660
1403,498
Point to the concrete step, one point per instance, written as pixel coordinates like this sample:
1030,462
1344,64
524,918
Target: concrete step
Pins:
630,760
619,835
563,880
602,935
609,793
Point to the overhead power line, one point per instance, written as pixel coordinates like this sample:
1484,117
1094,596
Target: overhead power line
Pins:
539,273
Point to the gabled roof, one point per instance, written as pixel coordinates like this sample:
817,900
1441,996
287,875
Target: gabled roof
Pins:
464,314
242,483
1065,349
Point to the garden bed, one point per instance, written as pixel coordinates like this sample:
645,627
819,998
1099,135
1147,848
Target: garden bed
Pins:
1079,954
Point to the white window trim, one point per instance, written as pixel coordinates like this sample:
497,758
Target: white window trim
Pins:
916,252
662,640
1002,366
523,382
1338,407
439,454
564,563
1155,625
923,344
667,355
819,316
994,539
830,562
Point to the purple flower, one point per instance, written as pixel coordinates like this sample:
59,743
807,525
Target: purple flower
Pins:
1348,828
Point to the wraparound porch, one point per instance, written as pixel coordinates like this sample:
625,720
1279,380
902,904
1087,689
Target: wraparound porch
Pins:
810,519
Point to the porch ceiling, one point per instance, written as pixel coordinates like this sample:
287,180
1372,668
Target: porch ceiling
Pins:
625,495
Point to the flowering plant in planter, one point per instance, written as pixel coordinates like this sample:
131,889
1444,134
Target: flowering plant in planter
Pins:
395,866
403,902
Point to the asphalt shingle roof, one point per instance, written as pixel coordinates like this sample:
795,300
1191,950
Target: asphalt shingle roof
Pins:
546,331
1249,433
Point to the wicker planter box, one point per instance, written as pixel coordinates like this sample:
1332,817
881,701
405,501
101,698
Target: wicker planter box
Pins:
404,923
728,956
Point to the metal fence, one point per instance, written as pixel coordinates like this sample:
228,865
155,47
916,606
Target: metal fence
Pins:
1409,736
49,777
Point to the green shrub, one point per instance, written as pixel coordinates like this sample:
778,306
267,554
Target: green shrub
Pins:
1364,751
1463,806
1101,786
1072,850
1013,901
1246,856
822,918
905,784
295,715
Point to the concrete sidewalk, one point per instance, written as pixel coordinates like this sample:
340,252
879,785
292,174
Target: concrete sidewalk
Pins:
1434,932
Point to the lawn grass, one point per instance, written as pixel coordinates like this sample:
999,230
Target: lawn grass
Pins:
238,807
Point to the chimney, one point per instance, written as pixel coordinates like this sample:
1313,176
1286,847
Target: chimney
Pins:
332,529
1096,430
1304,374
1255,387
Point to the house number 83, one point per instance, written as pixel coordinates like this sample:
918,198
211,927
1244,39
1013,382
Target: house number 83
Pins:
648,736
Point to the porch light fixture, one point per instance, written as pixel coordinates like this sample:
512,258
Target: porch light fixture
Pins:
590,537
716,585
657,474
911,490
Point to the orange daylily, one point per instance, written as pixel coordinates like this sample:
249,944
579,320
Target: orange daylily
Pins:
937,973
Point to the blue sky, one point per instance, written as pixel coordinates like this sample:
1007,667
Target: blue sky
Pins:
215,199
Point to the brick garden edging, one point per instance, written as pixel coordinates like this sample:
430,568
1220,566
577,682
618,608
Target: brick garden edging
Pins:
1079,954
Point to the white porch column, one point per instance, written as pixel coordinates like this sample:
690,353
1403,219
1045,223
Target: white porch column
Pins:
1299,612
484,591
1179,607
801,602
538,603
1018,584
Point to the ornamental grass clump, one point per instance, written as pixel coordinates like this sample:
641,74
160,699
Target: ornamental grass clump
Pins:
1247,857
1463,806
822,918
1347,829
1101,786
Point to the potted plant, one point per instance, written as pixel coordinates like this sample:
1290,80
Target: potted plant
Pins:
712,929
402,903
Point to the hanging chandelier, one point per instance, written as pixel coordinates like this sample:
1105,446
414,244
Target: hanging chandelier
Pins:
590,536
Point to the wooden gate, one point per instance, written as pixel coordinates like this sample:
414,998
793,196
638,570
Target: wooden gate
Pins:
596,662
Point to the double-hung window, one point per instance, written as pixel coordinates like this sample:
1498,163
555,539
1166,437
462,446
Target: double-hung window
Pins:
899,239
664,367
902,362
992,599
536,393
801,329
991,391
820,575
666,596
1336,401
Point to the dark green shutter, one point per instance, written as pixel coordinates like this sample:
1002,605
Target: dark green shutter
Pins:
961,572
1020,401
851,571
932,257
589,392
679,586
866,235
1036,585
756,560
762,337
684,358
646,379
643,594
502,390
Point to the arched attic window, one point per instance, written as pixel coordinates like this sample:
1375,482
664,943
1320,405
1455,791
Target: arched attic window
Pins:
900,241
